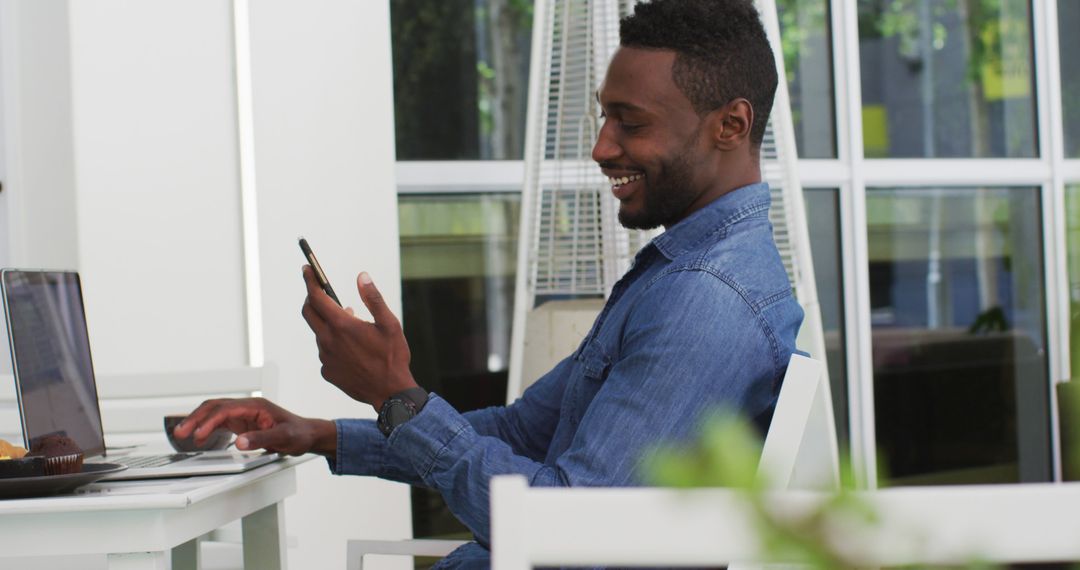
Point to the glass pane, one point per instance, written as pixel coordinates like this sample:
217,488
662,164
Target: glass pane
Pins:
1072,249
1069,42
959,334
947,78
461,72
458,256
823,216
807,43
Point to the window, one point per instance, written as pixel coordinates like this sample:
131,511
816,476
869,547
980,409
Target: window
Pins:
958,334
807,45
823,221
954,258
1069,40
461,71
940,81
1072,244
458,256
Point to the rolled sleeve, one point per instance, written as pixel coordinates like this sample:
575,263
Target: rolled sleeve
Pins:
363,450
434,439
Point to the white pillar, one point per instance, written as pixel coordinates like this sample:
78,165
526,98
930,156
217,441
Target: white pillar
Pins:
324,159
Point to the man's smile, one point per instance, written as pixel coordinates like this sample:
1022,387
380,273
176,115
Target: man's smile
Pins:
623,186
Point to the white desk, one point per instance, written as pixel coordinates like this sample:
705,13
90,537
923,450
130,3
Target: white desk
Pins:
142,524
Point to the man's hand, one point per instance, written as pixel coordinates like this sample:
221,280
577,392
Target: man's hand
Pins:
261,424
367,361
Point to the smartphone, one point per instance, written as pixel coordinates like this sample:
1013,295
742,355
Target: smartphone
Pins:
319,275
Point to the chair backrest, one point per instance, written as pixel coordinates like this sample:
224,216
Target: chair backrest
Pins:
800,450
132,405
652,526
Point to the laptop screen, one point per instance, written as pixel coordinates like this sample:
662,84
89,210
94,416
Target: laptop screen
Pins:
50,353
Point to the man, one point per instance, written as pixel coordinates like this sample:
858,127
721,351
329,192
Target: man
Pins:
705,317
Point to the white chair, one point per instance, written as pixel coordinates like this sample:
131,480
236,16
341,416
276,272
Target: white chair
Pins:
653,526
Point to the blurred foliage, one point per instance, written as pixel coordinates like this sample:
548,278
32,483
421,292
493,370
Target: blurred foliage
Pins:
999,31
448,80
805,42
800,21
726,455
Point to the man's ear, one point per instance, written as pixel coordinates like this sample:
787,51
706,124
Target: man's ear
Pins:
729,126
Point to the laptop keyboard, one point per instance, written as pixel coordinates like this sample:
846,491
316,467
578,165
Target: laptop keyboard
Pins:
143,461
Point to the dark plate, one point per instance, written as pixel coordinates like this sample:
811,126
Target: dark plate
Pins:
22,487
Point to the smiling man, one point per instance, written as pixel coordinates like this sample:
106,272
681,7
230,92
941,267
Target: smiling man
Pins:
704,318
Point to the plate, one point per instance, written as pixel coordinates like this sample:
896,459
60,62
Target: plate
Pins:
22,487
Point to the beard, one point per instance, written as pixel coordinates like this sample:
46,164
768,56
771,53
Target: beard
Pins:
667,194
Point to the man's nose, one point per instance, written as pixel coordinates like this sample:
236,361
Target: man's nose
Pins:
605,148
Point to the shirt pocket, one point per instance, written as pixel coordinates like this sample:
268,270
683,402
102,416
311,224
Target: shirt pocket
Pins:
593,368
595,363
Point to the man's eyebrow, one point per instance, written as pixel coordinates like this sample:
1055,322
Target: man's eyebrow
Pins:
620,105
623,106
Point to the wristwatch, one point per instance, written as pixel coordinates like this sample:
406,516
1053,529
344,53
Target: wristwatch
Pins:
400,408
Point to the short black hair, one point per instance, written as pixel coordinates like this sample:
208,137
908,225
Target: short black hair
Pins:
721,52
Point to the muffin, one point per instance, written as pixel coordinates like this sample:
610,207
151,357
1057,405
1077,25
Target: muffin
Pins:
62,455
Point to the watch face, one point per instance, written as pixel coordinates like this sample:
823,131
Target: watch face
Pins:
394,413
398,413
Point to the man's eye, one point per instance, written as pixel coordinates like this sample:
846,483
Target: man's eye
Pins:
630,127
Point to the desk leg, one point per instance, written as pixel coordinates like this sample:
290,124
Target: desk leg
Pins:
138,561
264,538
186,556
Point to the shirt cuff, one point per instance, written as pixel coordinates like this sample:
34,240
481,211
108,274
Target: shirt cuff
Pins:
438,434
361,449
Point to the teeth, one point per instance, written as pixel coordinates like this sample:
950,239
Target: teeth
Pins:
625,179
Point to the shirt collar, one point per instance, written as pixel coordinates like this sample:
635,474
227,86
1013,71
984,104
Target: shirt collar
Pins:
716,216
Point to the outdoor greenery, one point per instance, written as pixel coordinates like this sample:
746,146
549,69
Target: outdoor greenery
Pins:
993,39
460,78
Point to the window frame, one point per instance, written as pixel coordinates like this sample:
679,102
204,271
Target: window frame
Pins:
852,173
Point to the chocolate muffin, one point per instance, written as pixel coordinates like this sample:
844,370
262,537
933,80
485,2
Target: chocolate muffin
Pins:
62,455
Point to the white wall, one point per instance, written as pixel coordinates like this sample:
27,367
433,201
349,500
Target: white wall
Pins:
324,147
123,163
39,227
158,183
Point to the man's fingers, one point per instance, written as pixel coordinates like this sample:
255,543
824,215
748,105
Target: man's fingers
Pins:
314,320
317,298
374,301
232,416
195,418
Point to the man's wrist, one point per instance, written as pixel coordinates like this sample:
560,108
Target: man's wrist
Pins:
401,386
324,438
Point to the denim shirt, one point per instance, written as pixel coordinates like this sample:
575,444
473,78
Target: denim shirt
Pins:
704,318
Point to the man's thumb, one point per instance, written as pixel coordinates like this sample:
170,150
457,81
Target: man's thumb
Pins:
262,439
373,300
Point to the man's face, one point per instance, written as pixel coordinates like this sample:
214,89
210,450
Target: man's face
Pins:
651,146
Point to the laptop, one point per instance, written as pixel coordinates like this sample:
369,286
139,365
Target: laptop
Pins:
54,379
